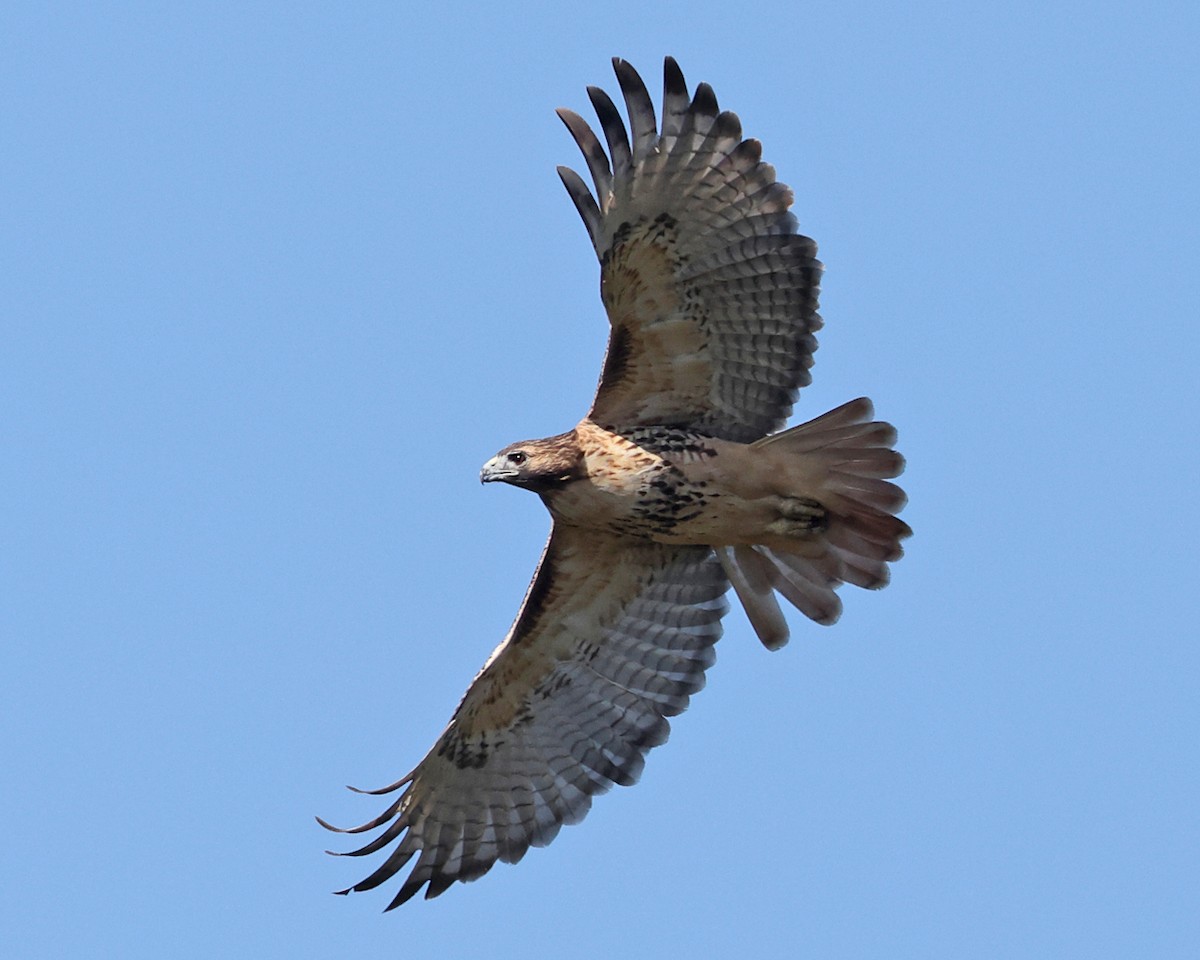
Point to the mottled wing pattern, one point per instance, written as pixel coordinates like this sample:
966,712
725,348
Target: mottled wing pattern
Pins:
613,637
711,294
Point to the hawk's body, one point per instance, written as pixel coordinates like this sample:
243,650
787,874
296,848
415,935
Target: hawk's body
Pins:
672,488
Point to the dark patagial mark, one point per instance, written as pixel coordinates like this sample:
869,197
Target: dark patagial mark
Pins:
541,591
616,359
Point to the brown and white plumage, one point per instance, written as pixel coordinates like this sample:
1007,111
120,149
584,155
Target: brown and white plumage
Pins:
673,487
613,637
711,294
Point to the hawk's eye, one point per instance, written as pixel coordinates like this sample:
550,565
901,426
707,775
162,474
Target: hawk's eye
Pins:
517,457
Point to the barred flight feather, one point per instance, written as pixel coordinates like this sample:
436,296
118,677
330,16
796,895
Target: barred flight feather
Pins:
601,707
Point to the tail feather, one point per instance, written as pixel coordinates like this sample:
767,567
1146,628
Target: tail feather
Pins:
864,572
866,435
850,542
807,584
870,491
850,460
879,463
849,422
852,412
748,572
882,528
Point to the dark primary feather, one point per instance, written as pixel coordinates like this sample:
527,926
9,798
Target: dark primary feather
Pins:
675,102
614,130
585,203
593,152
640,107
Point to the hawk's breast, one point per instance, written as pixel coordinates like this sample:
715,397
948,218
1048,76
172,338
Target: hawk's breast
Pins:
636,483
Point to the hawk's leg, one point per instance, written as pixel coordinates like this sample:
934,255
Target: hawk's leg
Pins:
798,517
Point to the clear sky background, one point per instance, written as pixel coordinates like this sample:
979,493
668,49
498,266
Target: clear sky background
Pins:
276,279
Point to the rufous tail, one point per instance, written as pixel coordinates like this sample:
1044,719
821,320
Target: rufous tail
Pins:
848,460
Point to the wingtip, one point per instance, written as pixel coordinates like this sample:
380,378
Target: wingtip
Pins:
705,100
407,892
380,791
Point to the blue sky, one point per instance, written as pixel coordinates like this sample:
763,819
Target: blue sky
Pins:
278,278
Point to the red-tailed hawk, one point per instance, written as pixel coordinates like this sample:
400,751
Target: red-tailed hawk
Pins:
673,487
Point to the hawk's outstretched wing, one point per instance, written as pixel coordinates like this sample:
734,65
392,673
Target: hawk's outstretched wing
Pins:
711,294
613,637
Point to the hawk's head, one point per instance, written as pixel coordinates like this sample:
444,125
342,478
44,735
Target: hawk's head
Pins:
538,465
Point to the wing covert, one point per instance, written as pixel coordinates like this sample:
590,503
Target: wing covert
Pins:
711,294
613,637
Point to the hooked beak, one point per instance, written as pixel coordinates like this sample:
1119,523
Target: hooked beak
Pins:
498,469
